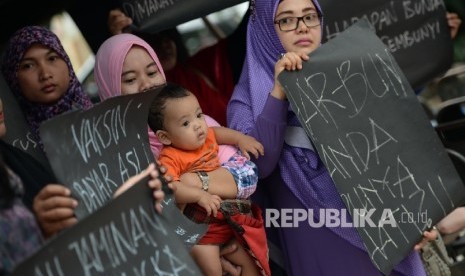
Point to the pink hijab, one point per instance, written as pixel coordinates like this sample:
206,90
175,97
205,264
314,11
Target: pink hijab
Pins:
107,73
109,63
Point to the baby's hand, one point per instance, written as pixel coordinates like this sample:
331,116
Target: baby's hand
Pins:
249,144
211,203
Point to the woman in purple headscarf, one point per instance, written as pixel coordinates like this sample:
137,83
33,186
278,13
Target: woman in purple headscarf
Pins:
40,76
296,177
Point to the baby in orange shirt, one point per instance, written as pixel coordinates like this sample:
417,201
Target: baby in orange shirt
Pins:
191,146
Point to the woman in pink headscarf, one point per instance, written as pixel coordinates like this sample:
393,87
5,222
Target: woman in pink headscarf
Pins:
126,64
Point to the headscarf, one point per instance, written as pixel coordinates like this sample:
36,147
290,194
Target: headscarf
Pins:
109,62
109,66
36,113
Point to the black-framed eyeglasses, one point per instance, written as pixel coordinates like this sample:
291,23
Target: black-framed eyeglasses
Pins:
287,24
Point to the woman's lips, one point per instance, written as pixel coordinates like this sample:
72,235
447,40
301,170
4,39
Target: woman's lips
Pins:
48,88
303,42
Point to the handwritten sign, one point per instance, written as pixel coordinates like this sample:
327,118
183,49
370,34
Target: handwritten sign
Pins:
125,237
369,129
94,151
158,15
18,133
411,30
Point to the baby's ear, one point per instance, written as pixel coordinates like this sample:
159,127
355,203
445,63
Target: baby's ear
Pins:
163,137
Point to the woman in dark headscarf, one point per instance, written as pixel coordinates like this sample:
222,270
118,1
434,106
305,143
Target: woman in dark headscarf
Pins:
41,77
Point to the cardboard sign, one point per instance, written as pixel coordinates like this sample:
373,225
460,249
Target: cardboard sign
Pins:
415,31
369,129
93,152
18,132
125,237
158,15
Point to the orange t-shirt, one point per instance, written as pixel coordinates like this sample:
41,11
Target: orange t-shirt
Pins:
178,162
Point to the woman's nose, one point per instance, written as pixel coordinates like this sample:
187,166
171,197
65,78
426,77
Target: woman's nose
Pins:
44,73
146,84
301,26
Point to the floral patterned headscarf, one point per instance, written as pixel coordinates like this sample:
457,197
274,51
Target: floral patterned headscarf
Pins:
36,113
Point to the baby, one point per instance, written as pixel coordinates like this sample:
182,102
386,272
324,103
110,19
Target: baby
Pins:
191,146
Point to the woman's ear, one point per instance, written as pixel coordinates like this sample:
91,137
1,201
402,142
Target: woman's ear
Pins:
163,137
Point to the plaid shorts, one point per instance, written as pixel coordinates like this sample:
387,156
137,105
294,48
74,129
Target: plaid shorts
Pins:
245,173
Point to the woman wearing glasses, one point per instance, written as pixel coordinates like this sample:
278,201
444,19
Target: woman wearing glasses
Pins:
295,175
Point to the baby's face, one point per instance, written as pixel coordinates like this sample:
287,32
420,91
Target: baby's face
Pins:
185,123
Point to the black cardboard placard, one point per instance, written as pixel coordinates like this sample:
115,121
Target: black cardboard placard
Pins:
18,132
93,152
125,237
379,147
158,15
415,31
